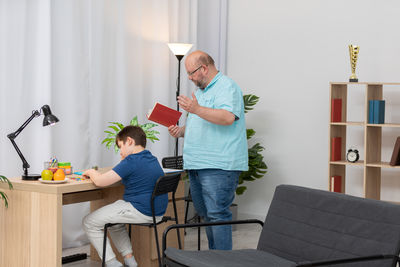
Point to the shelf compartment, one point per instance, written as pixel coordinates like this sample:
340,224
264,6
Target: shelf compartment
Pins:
373,144
382,165
389,125
338,170
343,162
372,183
349,123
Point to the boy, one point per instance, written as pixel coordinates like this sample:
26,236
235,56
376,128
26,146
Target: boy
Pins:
138,171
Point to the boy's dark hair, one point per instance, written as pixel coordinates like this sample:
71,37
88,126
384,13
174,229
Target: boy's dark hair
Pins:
134,132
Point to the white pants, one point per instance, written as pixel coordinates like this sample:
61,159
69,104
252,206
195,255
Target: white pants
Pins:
117,212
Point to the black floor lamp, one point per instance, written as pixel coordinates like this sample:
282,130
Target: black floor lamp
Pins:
49,119
179,50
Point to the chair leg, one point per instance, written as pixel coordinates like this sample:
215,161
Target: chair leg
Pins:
187,202
103,261
176,221
158,245
186,213
198,233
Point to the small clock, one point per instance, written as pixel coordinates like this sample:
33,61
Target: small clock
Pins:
352,155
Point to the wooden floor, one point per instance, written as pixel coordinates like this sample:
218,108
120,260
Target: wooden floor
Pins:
245,236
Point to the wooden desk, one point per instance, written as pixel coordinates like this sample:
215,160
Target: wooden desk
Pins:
31,227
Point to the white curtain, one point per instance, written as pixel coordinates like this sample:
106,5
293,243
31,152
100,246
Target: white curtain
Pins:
93,62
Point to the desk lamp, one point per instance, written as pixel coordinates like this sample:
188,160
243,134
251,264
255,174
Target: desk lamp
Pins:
49,119
179,50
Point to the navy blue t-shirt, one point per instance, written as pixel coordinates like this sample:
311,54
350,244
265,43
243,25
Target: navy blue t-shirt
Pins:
139,173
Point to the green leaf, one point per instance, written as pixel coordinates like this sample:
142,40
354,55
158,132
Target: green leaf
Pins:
134,121
249,101
148,126
4,179
3,195
250,133
114,128
120,125
240,190
5,198
107,140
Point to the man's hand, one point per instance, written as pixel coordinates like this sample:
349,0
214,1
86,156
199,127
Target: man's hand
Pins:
189,105
176,131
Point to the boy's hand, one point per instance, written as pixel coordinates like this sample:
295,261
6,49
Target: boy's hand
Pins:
176,131
88,173
104,179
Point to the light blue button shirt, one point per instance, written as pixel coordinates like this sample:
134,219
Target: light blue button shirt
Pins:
212,146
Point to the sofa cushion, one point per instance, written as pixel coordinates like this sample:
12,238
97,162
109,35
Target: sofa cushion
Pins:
231,258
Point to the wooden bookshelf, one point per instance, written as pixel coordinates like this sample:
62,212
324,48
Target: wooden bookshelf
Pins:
371,161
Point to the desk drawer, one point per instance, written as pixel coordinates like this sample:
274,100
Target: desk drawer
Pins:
77,197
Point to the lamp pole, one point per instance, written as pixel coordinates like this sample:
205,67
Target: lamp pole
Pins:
178,88
179,50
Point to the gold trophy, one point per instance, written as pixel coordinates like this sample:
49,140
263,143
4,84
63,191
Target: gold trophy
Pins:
353,50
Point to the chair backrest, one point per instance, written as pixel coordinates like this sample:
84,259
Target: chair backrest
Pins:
306,224
166,184
173,162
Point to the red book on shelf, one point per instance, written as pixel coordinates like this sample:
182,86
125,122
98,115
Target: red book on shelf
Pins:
164,115
336,150
336,184
395,160
336,112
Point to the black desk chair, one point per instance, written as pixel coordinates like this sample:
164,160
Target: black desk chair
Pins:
177,163
164,185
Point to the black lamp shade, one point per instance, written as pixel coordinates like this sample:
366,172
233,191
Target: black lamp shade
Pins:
49,119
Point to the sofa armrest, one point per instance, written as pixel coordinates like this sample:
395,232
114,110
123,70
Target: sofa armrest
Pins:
347,260
190,225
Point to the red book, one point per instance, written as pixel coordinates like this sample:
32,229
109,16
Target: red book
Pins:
336,184
395,160
336,112
336,151
164,115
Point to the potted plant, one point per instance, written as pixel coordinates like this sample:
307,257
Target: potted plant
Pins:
3,195
116,127
257,166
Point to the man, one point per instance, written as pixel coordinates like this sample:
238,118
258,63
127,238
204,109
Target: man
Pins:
215,147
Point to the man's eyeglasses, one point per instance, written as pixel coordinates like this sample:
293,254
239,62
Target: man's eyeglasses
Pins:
193,72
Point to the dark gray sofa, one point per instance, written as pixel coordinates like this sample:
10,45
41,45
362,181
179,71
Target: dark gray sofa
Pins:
309,227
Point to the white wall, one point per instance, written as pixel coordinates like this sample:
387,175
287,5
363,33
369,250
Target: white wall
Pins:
287,52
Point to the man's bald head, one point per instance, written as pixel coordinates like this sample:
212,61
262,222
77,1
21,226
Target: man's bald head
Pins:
200,67
201,58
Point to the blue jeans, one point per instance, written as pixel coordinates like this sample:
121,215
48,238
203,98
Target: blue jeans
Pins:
213,191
